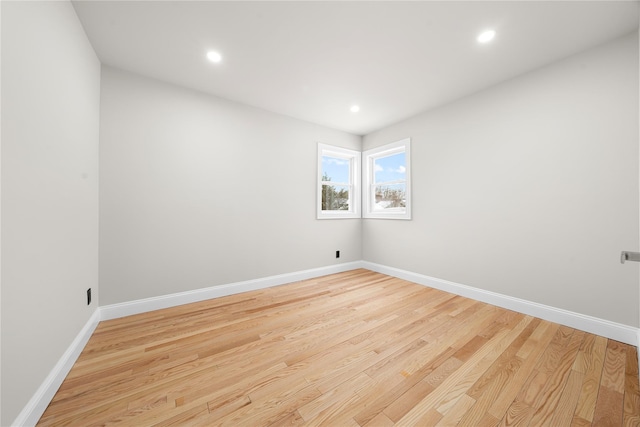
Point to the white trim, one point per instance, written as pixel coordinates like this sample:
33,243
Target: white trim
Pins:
368,178
36,406
638,351
38,403
616,331
354,158
114,311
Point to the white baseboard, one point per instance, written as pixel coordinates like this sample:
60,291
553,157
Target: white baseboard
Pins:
34,409
594,325
115,311
36,406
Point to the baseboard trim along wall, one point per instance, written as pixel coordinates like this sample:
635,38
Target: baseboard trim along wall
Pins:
34,409
43,396
594,325
115,311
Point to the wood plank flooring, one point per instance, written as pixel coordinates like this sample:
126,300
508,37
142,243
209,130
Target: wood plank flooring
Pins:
351,349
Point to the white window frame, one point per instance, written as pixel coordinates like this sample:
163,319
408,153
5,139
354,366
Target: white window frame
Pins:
354,158
368,158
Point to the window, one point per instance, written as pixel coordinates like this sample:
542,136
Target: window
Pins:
387,187
338,182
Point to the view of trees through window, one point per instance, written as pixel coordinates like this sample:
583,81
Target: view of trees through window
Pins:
334,198
335,183
390,188
339,175
390,197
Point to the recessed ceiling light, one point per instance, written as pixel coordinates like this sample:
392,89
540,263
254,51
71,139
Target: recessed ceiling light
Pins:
486,36
214,56
355,108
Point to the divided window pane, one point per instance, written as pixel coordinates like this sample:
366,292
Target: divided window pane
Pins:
335,169
387,177
338,182
390,182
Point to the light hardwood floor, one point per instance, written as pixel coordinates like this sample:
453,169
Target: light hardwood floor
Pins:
351,349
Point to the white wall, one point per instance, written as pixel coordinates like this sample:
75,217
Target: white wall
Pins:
528,189
50,130
0,216
197,191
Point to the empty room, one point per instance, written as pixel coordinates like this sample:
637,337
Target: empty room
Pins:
340,213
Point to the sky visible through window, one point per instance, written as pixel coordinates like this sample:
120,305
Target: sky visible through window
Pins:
336,168
390,168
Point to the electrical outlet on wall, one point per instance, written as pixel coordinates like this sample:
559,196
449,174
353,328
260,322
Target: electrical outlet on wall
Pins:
337,254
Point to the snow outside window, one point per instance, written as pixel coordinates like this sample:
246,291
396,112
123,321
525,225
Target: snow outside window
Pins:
338,182
387,181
